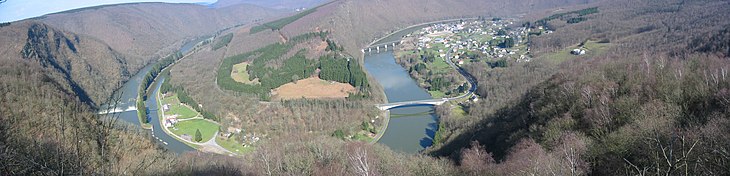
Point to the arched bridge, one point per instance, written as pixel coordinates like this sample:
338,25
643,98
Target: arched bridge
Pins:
381,46
388,106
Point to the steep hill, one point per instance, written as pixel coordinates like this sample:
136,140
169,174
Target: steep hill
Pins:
71,60
151,30
92,51
276,4
653,102
56,69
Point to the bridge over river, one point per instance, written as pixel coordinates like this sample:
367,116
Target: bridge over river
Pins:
472,87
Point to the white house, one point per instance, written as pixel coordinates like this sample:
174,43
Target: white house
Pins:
578,51
170,121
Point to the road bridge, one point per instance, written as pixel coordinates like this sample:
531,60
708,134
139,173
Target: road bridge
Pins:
389,106
382,46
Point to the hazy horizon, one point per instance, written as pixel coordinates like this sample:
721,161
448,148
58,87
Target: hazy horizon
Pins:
16,10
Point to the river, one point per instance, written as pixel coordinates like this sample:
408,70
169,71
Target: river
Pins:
127,95
157,132
411,129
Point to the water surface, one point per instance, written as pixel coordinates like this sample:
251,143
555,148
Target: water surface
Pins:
410,129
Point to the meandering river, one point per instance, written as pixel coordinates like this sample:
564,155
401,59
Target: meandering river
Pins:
411,129
128,96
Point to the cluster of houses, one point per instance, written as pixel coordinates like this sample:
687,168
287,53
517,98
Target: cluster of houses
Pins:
246,139
446,35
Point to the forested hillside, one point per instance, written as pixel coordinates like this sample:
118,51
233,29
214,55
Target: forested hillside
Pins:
654,103
652,100
148,31
71,60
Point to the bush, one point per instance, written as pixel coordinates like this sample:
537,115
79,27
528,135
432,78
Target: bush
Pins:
339,134
198,136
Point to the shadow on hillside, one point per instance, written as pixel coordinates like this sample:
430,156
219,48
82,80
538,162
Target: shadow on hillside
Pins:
500,131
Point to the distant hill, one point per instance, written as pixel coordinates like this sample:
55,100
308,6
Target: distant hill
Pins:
276,4
149,30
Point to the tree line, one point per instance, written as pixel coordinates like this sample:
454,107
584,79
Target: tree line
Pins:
345,70
147,81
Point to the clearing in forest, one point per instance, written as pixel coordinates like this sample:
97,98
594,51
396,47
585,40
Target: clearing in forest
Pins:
312,88
239,73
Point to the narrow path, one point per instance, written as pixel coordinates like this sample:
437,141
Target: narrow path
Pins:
386,121
212,146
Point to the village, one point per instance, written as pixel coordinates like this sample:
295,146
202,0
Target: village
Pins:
478,40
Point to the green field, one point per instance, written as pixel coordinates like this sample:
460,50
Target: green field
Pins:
361,137
436,94
207,129
240,74
183,112
233,145
439,66
593,48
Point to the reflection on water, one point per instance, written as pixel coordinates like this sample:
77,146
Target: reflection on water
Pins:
410,129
